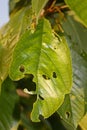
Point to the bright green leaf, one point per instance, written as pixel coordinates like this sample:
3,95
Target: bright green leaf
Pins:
38,5
80,8
47,58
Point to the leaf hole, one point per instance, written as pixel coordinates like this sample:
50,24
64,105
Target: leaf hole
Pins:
67,114
21,68
45,77
55,47
54,75
26,82
41,97
30,76
27,28
57,36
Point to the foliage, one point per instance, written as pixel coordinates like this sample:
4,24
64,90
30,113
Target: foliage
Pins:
80,9
42,49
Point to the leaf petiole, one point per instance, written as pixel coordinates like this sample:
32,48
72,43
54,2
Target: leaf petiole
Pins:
29,92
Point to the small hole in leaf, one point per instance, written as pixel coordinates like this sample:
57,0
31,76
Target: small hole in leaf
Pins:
26,82
55,47
45,77
41,97
67,114
22,69
54,75
27,28
30,76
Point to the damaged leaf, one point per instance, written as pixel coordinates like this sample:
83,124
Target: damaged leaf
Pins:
47,58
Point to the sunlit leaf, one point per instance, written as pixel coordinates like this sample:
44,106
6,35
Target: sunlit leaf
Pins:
83,123
47,58
80,9
9,35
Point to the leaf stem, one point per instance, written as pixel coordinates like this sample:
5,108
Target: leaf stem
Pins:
29,92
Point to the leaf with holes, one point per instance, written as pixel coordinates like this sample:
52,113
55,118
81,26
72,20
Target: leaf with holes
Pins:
76,102
47,58
11,115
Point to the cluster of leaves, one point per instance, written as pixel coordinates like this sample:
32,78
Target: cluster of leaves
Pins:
36,48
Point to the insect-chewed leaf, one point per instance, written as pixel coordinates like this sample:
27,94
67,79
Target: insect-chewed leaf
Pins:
47,58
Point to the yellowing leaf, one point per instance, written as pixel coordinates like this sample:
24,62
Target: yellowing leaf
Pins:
83,123
9,36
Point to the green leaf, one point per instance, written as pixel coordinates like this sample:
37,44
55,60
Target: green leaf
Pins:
8,98
76,32
9,35
80,8
38,5
75,105
47,58
65,112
